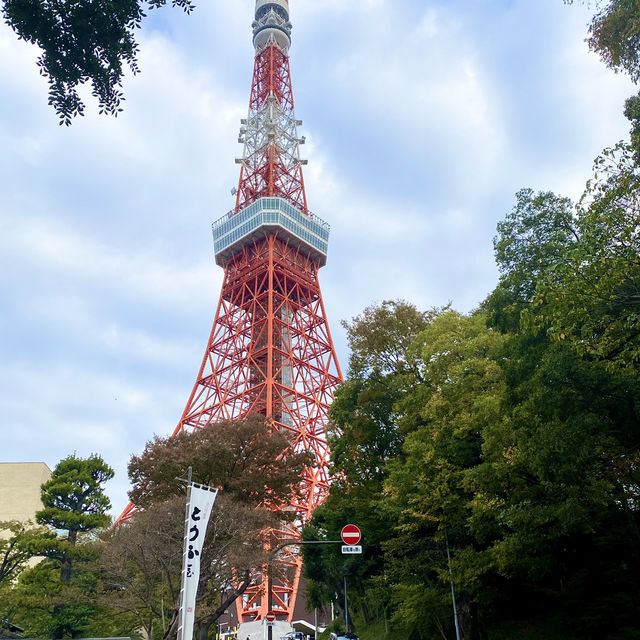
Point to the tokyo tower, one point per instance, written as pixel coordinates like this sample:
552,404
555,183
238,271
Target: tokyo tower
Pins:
270,349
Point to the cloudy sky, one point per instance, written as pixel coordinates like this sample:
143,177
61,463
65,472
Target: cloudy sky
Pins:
422,119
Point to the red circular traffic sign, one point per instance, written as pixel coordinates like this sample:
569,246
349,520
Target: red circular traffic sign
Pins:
350,534
270,616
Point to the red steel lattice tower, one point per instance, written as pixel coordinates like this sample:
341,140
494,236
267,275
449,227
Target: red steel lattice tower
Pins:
270,349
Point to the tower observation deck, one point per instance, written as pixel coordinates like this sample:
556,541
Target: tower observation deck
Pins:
270,349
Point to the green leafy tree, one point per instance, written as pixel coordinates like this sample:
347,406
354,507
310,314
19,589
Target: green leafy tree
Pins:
81,42
575,273
533,237
19,543
57,597
17,547
46,608
461,394
74,501
516,463
592,295
365,436
380,372
614,33
517,449
256,469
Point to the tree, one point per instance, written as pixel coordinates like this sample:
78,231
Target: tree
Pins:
461,394
74,501
17,548
381,369
141,562
256,469
533,237
83,42
593,294
248,459
516,449
575,273
516,463
62,587
18,544
615,35
365,436
45,607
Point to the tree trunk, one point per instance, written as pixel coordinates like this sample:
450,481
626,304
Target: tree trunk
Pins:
226,603
58,631
172,628
470,626
203,632
65,568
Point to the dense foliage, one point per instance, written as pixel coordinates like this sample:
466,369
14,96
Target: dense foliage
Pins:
509,436
83,41
141,560
57,597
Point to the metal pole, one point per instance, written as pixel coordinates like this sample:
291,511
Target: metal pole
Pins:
183,575
346,610
453,593
269,602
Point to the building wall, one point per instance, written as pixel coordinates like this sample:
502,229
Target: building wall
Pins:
20,489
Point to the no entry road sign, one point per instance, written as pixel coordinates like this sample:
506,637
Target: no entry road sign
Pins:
350,534
270,616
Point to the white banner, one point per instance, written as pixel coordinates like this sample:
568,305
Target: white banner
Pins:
199,504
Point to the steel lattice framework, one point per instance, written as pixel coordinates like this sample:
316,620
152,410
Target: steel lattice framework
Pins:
271,163
270,349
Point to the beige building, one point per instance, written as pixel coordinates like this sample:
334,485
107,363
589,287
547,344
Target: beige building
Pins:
20,489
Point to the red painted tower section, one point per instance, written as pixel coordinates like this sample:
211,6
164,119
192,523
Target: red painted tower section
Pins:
270,349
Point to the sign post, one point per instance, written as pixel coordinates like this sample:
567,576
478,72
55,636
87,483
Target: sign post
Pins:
350,535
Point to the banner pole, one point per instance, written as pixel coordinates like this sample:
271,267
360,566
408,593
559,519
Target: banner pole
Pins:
183,575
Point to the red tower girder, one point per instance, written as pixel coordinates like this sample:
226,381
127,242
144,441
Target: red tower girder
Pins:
270,349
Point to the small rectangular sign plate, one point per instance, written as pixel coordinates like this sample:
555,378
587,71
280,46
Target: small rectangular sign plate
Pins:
351,548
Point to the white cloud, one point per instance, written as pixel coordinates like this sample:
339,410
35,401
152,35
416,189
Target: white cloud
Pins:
54,248
422,120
